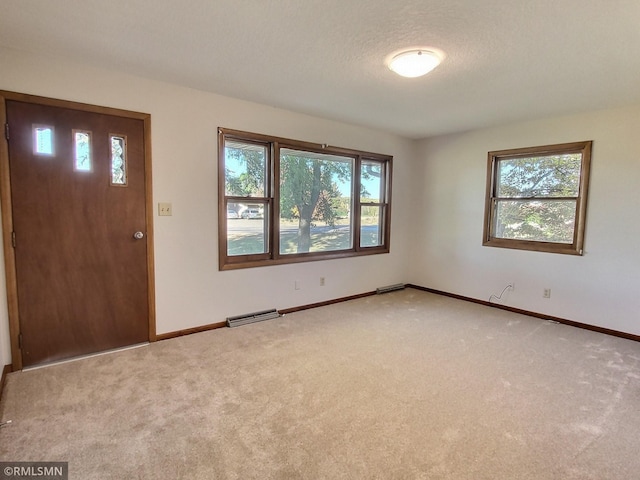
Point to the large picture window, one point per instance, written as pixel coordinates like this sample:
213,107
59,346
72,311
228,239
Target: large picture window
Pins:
537,198
284,201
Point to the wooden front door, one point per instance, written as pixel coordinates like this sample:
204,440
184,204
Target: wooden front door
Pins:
77,183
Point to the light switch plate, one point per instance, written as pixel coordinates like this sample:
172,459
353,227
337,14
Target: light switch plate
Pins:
164,209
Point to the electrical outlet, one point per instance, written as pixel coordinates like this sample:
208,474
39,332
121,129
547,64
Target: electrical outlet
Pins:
164,209
296,285
322,281
513,286
546,293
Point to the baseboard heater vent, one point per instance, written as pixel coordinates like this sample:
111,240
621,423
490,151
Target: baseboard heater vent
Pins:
252,318
390,288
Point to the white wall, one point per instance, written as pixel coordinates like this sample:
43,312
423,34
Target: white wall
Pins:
601,288
190,291
438,205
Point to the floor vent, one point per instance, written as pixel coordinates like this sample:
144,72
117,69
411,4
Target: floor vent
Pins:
252,318
390,288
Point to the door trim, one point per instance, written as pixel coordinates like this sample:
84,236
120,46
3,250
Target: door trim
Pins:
7,215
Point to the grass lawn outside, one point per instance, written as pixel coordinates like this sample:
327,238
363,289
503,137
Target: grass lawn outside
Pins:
250,238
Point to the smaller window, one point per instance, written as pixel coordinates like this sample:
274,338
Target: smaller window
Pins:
373,209
246,198
43,136
537,198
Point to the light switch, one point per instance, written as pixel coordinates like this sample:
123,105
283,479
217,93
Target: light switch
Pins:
164,209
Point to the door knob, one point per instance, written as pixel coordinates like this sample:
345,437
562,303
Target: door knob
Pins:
138,235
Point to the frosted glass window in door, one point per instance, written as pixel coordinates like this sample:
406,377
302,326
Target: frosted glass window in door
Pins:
118,160
81,151
43,136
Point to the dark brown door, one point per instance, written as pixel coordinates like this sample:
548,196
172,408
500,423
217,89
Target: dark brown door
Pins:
78,199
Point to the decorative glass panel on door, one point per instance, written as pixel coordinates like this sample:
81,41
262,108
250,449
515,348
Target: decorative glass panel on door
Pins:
43,136
81,151
118,147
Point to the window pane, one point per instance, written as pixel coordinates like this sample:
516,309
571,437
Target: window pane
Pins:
245,166
546,176
371,226
371,182
118,160
536,220
246,229
315,202
43,140
81,151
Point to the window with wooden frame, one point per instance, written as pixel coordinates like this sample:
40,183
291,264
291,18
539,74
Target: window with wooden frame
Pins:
285,201
537,198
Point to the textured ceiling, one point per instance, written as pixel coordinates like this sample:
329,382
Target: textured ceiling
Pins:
507,60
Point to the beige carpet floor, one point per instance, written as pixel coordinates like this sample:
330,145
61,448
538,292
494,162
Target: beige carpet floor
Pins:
406,385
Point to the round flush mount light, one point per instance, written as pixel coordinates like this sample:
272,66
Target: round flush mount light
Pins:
414,62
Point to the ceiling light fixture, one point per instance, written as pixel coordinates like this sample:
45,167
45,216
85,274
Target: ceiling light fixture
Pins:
414,62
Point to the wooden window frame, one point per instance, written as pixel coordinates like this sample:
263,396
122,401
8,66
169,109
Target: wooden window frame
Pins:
271,202
577,245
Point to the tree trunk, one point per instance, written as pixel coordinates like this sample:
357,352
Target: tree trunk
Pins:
304,234
306,211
